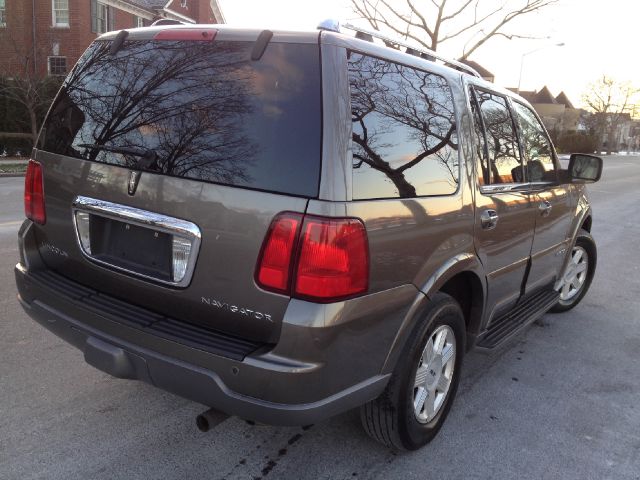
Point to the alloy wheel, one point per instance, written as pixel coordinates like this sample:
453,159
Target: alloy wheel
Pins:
433,376
575,274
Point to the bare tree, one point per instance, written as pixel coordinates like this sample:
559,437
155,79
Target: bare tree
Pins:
179,101
432,23
610,100
20,83
392,106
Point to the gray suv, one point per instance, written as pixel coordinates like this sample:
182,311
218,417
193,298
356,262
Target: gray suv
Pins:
287,225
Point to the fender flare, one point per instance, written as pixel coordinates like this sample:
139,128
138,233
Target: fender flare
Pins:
463,262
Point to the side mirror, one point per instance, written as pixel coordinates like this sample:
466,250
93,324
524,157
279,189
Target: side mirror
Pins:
584,168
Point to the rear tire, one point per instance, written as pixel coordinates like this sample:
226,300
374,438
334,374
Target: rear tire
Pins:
415,403
579,273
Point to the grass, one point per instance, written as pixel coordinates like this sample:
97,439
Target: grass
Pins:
7,167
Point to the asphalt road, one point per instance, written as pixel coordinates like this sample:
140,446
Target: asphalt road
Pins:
561,402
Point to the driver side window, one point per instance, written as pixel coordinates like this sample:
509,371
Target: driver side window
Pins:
537,147
503,151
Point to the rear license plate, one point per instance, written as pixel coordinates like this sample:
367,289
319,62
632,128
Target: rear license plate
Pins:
138,249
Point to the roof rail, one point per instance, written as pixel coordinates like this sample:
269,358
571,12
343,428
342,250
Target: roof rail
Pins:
365,34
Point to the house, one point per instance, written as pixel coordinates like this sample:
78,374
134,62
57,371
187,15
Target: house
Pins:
619,131
46,37
557,113
484,73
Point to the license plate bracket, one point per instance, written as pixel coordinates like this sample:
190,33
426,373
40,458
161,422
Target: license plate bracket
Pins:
138,249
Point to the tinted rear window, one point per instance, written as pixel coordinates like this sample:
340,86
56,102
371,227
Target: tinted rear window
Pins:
207,110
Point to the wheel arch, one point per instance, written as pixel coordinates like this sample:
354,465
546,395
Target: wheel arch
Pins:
461,277
466,288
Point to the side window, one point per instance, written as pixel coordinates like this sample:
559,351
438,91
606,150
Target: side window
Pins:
404,135
480,142
502,142
537,147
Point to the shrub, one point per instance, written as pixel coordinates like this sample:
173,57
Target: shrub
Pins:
576,143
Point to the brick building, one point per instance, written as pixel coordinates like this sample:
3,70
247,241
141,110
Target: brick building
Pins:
46,37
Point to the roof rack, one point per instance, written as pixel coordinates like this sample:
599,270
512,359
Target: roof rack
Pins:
369,35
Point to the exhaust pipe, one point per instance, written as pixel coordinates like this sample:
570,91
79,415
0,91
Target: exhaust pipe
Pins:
209,419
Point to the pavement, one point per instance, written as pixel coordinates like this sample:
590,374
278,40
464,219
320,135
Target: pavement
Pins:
5,161
560,402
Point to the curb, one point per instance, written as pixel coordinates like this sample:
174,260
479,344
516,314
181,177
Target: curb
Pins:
11,175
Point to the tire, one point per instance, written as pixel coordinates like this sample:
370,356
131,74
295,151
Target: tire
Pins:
571,293
392,419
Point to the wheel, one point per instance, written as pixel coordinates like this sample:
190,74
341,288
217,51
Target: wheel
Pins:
413,407
578,273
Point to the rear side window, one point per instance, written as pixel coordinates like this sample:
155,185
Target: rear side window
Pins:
537,147
206,109
502,143
404,135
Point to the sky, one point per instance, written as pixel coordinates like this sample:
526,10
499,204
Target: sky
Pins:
599,36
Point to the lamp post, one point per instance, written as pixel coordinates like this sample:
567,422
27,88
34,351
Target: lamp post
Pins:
561,44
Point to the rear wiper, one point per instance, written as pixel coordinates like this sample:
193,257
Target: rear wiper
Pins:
147,156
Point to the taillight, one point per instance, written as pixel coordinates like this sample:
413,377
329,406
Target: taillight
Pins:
330,261
334,259
274,265
34,193
188,34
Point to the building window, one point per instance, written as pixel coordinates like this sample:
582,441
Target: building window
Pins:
3,21
183,3
101,17
60,13
138,21
57,65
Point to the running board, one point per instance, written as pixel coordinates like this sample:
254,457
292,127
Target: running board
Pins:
504,328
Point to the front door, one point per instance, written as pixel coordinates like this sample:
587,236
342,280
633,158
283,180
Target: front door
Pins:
551,200
505,215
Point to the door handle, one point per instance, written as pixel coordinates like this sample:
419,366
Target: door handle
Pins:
545,208
489,219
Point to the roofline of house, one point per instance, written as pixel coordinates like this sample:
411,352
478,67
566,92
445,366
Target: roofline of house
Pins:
178,16
217,11
128,7
151,13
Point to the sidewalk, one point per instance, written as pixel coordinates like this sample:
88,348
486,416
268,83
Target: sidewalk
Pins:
13,166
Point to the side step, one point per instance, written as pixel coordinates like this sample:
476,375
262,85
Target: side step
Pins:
529,310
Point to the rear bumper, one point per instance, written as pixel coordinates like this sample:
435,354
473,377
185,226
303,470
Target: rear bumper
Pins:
328,359
126,360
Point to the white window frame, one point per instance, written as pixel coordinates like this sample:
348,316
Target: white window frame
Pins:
139,22
66,67
54,18
3,15
106,18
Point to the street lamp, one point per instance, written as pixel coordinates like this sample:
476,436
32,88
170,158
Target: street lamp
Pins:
561,44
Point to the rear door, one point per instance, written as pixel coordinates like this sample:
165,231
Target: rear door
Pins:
505,217
178,132
551,200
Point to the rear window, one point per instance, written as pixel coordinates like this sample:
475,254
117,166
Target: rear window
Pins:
206,109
